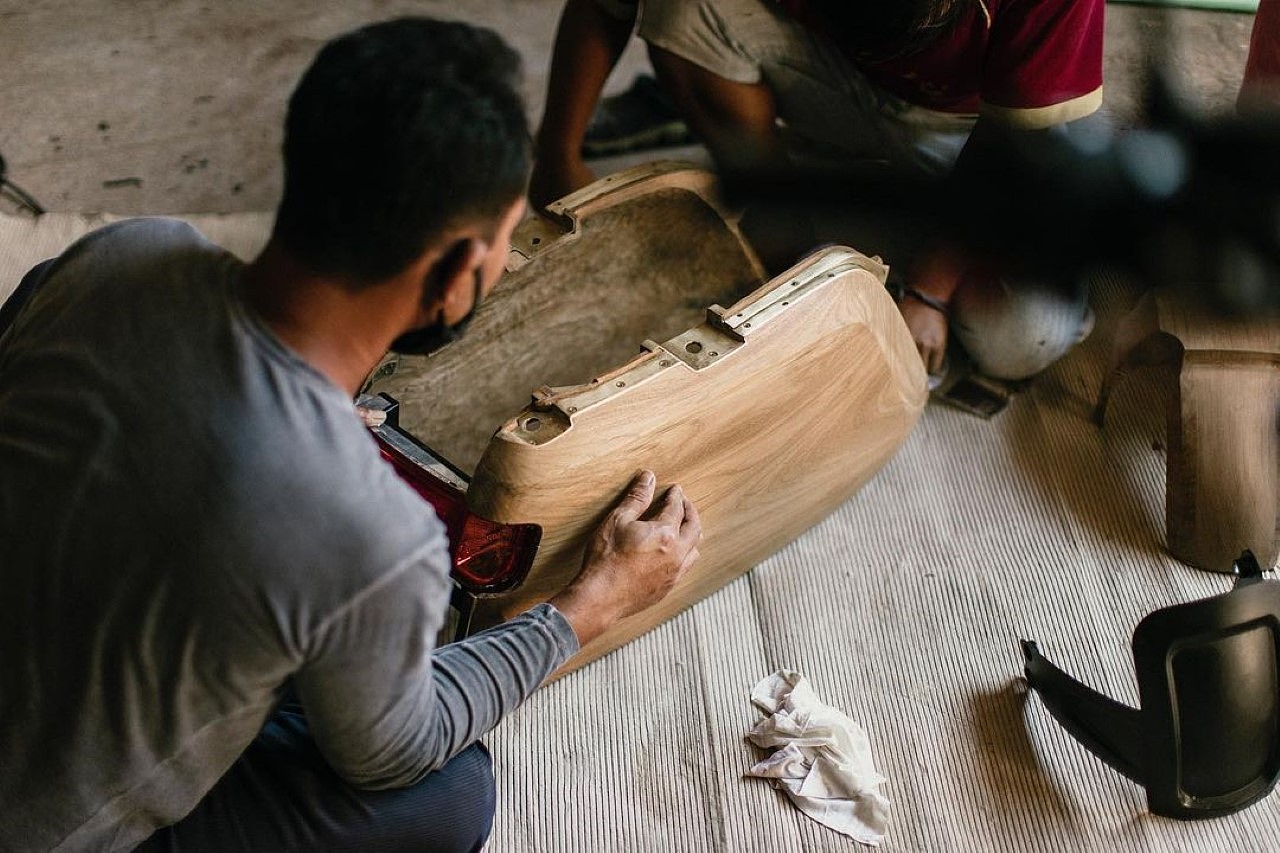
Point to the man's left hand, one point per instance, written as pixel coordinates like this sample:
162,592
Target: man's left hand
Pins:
928,327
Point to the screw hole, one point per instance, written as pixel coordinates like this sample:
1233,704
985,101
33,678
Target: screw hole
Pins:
536,240
693,347
532,424
620,384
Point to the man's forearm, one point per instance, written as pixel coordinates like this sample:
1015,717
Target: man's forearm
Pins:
937,275
589,41
386,708
484,677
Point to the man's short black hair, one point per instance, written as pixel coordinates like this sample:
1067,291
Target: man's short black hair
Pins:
395,132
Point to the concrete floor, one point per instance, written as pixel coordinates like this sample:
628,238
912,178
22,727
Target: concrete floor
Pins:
175,106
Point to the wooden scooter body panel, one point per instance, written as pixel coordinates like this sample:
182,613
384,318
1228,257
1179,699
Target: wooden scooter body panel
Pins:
769,413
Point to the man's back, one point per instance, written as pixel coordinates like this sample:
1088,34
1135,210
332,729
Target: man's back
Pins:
186,509
193,520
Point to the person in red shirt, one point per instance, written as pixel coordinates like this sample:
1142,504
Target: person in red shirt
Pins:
1260,89
913,83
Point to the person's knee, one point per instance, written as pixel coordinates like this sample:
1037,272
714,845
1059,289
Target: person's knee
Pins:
677,75
451,809
474,794
736,121
706,93
1014,331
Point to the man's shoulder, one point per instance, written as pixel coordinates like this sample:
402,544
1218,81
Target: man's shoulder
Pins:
143,252
138,235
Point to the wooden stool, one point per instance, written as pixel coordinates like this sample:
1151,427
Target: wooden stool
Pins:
1222,486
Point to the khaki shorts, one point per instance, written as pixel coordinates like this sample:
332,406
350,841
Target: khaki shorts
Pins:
829,109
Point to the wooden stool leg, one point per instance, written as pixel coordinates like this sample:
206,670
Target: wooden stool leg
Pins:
1223,483
1138,343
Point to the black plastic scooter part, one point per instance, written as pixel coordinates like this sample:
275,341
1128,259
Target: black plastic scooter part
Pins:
1206,741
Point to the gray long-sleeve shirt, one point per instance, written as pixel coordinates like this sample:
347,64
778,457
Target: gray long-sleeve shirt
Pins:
190,516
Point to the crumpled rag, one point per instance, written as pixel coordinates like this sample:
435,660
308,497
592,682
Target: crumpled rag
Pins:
821,758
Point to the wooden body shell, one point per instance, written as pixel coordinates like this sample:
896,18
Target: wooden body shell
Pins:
769,414
640,254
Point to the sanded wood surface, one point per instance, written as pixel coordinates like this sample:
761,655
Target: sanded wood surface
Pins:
639,255
1200,330
1223,480
1222,485
770,414
565,220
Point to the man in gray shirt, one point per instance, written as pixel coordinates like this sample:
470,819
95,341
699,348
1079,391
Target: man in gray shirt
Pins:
217,605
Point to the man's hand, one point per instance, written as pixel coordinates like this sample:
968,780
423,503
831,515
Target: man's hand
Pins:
928,327
934,279
555,178
632,563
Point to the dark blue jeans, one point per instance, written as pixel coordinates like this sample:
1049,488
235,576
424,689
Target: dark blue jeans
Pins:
281,795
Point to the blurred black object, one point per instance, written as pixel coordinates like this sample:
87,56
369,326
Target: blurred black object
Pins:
1187,201
1206,740
16,194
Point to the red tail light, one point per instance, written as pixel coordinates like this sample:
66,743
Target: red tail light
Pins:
488,556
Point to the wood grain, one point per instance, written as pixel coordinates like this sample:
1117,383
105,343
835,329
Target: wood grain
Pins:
1222,482
1222,489
770,414
641,258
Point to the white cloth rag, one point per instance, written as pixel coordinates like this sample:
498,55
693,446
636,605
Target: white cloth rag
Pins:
822,759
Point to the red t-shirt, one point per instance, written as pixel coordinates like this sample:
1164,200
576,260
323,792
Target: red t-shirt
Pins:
1029,63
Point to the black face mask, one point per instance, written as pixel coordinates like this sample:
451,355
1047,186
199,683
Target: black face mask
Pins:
428,339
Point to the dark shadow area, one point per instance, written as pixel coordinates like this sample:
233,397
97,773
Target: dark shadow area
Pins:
1015,788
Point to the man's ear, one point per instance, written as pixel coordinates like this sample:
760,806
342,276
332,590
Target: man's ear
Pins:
452,276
